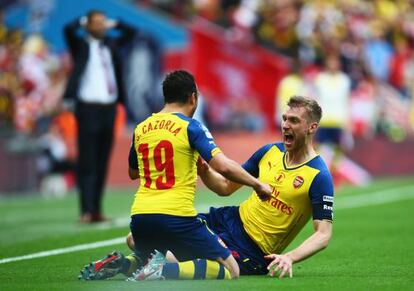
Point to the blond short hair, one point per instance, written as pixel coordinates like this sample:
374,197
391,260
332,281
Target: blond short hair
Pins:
312,107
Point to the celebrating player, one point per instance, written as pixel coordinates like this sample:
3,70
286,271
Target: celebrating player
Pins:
164,154
302,185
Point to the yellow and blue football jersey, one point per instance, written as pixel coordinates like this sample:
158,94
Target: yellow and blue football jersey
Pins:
298,193
165,150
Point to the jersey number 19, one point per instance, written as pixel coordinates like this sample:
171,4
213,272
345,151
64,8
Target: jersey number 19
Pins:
166,166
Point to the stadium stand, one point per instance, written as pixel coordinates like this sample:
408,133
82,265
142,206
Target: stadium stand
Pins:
374,39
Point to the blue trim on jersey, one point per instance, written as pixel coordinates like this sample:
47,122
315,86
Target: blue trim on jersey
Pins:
321,191
132,157
252,164
280,146
199,137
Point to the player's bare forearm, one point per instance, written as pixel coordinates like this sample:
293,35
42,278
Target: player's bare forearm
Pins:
315,243
231,170
234,172
215,181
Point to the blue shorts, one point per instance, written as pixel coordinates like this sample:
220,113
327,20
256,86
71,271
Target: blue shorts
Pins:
329,135
187,237
226,223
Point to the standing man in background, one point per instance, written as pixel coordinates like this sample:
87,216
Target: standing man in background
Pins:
333,88
95,86
290,85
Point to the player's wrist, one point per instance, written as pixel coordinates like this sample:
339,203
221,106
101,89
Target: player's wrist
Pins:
291,257
257,185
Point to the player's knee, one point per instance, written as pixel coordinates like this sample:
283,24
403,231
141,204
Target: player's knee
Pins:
170,257
235,275
235,272
130,242
231,265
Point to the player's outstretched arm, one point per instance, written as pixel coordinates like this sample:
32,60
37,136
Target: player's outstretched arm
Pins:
313,244
215,181
235,173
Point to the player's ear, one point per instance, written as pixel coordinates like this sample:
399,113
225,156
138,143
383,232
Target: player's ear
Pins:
313,127
193,98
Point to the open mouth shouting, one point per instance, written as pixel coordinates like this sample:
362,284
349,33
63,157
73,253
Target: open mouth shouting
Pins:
288,139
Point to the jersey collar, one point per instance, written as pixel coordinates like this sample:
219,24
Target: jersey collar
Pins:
297,166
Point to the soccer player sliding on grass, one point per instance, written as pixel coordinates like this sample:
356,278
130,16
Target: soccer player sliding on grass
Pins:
164,154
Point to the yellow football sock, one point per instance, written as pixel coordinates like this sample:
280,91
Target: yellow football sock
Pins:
196,269
186,270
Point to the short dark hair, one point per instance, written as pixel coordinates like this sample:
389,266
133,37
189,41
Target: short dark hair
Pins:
178,87
92,13
312,107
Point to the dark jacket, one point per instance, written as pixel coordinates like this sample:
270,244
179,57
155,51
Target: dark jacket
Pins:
79,49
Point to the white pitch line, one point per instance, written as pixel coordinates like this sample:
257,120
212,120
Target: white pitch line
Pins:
116,223
372,198
375,198
90,246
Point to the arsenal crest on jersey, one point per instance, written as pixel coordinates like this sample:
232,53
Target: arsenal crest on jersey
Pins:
298,182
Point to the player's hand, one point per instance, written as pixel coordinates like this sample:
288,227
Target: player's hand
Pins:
282,263
263,191
202,167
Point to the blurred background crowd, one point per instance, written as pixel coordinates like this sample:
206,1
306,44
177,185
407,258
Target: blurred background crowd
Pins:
372,39
359,50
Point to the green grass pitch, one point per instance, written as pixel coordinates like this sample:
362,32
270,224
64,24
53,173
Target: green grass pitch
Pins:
372,246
